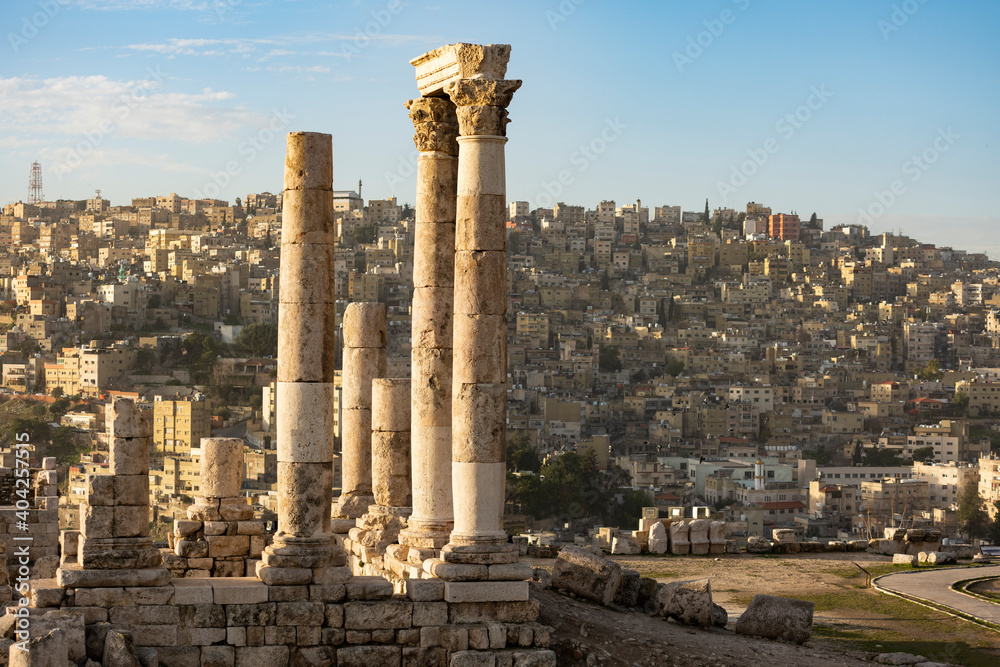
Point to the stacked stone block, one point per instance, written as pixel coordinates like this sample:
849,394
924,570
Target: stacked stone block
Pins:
220,537
364,360
226,621
40,521
114,543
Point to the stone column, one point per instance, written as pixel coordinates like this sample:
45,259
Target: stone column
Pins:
303,550
115,548
379,527
364,360
436,128
479,389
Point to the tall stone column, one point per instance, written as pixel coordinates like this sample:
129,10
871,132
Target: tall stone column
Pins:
436,127
364,360
479,389
303,550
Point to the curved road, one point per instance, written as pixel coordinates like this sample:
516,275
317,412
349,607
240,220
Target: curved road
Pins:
935,586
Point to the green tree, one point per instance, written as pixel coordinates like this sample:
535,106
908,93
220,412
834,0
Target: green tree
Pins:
609,361
881,458
258,340
366,233
521,455
605,281
923,454
813,221
961,402
514,243
57,392
706,216
675,367
993,531
931,371
972,518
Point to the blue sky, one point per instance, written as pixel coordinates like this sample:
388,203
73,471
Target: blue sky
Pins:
805,106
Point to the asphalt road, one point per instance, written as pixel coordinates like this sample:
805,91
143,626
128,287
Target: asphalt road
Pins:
935,586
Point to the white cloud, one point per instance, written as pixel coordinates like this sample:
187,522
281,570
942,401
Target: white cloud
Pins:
281,45
76,108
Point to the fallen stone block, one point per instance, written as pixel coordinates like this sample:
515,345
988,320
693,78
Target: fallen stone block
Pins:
658,538
941,558
777,618
119,650
904,559
625,545
720,617
680,545
688,602
759,545
587,575
48,650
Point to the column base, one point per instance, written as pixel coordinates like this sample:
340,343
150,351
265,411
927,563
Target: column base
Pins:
479,554
303,552
426,534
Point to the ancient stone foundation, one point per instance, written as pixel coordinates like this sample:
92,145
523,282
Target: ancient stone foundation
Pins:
220,537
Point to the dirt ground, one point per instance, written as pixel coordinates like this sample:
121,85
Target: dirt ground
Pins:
852,623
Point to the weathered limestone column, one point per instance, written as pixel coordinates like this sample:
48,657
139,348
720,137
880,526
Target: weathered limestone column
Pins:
303,550
479,389
436,128
364,360
114,547
378,529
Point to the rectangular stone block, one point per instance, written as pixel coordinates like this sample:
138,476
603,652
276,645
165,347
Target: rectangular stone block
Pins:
479,422
368,588
485,612
480,282
123,419
305,332
131,521
305,421
238,591
129,456
485,591
154,635
307,218
262,656
431,316
100,490
481,223
385,614
424,590
221,546
97,521
131,489
307,274
192,591
361,365
279,634
251,614
430,613
484,339
434,254
367,656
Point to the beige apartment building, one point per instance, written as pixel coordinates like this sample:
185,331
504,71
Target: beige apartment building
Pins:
180,424
945,482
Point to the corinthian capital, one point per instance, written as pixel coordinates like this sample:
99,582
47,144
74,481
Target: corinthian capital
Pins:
435,125
482,104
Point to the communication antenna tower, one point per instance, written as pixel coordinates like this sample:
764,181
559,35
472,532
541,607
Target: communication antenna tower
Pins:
35,195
